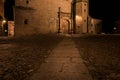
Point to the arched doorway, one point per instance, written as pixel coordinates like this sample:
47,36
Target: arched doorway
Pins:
65,26
64,22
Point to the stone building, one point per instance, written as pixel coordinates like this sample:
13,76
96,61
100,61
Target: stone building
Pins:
2,29
84,23
95,26
6,20
48,16
81,16
42,16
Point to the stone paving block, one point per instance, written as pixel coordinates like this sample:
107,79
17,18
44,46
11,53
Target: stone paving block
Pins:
71,53
58,60
76,60
73,76
75,67
60,76
64,63
50,67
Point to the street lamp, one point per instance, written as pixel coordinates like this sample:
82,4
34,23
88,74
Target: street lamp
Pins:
4,21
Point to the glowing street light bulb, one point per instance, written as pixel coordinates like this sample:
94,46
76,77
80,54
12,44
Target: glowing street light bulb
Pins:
4,21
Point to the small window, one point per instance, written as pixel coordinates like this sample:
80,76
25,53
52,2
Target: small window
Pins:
84,10
26,21
27,1
91,24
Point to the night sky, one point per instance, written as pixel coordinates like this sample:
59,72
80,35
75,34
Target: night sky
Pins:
104,9
8,9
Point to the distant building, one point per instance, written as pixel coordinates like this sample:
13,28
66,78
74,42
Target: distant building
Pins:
82,22
95,26
6,18
2,19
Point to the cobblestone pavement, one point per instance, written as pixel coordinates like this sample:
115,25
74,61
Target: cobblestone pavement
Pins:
64,63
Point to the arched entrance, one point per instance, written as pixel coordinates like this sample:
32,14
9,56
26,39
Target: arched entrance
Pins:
64,20
65,26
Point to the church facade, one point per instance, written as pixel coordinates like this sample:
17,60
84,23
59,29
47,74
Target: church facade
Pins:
48,16
41,16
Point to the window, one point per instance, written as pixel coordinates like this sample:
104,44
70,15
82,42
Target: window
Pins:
26,21
27,1
84,10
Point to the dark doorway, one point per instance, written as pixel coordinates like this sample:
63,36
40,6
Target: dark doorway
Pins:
65,26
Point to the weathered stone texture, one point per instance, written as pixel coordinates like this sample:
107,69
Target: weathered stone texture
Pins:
81,17
42,15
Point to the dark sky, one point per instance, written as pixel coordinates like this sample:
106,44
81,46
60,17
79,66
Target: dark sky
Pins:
8,9
104,9
101,9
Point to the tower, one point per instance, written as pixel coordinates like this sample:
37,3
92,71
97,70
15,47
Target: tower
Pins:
80,16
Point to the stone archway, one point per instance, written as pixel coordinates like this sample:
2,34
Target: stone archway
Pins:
64,22
65,26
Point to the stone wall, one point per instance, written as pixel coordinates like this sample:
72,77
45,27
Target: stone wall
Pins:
81,17
38,16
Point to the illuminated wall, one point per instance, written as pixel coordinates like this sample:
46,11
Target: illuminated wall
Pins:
38,16
81,17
